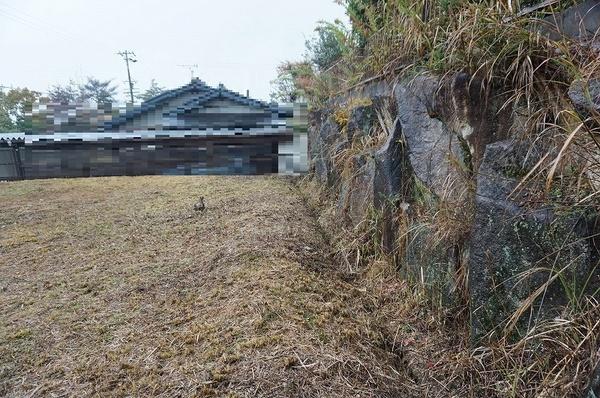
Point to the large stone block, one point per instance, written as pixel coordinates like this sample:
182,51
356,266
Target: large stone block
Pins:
474,113
361,121
579,22
391,164
519,247
593,389
321,149
432,264
433,149
357,193
390,185
585,96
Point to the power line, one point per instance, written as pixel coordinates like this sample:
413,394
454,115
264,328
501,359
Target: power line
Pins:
19,16
20,20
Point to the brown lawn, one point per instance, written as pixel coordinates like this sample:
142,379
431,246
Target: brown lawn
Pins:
117,287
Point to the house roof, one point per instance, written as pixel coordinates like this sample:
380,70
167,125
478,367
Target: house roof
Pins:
204,93
11,138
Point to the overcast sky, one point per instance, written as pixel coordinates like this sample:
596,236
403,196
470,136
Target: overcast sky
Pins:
236,42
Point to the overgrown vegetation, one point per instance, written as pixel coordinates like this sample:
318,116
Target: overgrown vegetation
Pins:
511,54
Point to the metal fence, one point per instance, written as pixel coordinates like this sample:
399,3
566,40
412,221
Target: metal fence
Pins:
10,164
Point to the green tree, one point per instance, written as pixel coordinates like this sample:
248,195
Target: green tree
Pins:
64,94
333,40
152,91
14,106
6,124
293,81
366,17
99,91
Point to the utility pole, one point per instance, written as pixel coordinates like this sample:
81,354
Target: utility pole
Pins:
191,68
129,56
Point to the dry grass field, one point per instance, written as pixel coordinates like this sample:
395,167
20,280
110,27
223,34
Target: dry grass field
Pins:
117,287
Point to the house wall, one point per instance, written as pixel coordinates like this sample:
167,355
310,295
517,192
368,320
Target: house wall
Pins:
189,156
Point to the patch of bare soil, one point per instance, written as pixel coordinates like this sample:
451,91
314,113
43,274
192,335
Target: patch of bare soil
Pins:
117,287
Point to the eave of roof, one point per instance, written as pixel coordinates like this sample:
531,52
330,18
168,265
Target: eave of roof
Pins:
86,137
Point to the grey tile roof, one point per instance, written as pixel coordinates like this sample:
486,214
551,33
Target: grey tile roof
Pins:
205,94
12,137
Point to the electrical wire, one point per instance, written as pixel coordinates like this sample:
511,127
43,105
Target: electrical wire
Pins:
22,17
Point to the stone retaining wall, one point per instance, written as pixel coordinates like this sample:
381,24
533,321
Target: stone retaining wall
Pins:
435,160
